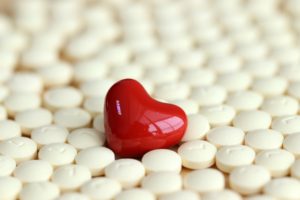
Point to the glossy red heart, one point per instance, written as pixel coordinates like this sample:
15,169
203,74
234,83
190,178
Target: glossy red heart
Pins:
136,123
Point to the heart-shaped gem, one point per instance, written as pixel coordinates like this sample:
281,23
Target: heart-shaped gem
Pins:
136,123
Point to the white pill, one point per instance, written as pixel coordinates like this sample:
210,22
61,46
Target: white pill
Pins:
204,180
188,59
181,195
209,95
161,160
221,195
85,137
17,102
129,172
280,106
135,194
3,93
160,75
191,77
277,161
18,148
287,124
63,97
70,177
49,134
9,129
264,139
218,115
244,100
224,64
197,127
283,188
39,190
294,89
290,72
197,154
101,188
97,87
72,118
94,105
56,74
57,154
261,68
189,106
7,165
249,179
25,82
33,118
98,123
127,71
260,197
225,135
230,157
90,69
33,171
292,144
234,81
72,196
295,169
161,183
172,91
10,187
270,86
95,158
3,113
252,120
152,57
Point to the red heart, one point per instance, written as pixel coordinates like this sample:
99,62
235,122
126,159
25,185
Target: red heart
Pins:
136,123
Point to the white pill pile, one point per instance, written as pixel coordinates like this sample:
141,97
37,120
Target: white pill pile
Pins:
233,66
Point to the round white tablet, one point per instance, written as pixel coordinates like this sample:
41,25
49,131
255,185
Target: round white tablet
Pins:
287,124
86,137
292,144
264,139
161,183
9,129
129,172
277,161
172,91
261,68
25,82
72,196
57,154
181,195
18,148
283,188
49,134
225,135
95,158
94,105
9,187
221,195
260,197
197,154
33,171
230,157
197,127
7,165
234,81
98,87
204,180
17,102
189,106
270,86
244,100
293,89
72,118
33,118
191,77
249,179
135,194
89,69
39,190
70,177
252,120
62,97
295,169
98,123
209,95
280,106
3,113
218,115
101,188
161,160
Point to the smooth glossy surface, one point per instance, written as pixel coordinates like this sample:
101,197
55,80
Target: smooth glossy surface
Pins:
135,123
